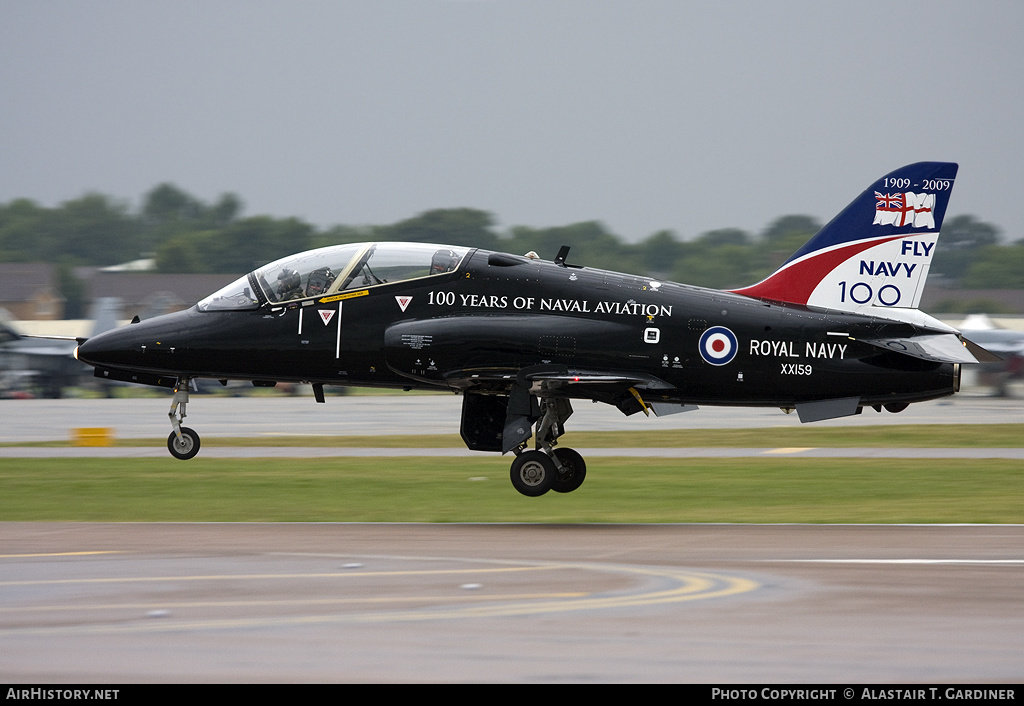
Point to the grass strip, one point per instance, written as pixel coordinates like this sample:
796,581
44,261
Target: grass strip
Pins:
617,490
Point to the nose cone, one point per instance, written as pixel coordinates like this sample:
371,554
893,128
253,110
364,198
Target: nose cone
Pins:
156,345
108,348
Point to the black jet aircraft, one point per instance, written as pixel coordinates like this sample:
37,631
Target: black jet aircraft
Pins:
835,329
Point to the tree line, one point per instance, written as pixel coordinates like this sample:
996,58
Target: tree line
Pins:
184,234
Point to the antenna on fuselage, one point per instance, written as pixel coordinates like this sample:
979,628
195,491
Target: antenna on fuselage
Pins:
563,252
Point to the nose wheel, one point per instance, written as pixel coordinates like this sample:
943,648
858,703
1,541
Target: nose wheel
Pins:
185,445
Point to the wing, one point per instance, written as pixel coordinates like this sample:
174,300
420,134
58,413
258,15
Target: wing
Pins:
497,354
630,392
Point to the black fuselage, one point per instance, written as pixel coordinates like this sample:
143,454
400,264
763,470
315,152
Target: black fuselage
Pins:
498,314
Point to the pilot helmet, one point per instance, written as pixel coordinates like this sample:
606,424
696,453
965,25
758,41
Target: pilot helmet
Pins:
443,261
289,279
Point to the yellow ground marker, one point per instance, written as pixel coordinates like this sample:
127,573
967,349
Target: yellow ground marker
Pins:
92,436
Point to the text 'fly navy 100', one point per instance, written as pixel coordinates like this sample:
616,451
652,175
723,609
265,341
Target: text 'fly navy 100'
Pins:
835,329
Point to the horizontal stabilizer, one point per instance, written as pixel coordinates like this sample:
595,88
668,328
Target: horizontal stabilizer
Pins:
827,409
938,348
982,354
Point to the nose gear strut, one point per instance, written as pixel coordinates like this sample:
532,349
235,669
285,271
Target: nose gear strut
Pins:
183,443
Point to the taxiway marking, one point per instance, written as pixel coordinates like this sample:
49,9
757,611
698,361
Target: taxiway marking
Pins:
23,556
900,561
683,586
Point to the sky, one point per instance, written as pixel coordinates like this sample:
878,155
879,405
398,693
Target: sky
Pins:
645,115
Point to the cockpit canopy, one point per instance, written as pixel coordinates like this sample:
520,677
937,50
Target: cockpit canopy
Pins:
327,271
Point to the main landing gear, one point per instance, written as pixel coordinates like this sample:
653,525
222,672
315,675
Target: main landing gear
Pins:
563,470
183,443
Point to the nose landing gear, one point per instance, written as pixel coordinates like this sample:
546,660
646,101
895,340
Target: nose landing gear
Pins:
183,443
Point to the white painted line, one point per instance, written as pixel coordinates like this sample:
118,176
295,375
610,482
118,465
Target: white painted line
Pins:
899,561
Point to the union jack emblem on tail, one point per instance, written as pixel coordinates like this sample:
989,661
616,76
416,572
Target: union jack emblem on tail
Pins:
906,209
888,201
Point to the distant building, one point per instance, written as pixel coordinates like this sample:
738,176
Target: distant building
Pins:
936,299
27,291
149,294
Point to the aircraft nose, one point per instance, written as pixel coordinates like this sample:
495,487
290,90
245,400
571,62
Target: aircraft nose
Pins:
157,344
106,348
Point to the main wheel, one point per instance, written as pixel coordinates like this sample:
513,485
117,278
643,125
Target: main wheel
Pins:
187,447
574,470
533,473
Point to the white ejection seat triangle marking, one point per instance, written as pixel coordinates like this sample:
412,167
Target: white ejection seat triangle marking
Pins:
403,302
326,315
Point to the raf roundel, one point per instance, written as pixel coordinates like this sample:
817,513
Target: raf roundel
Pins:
718,345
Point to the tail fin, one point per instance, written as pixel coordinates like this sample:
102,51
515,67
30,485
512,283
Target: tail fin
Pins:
875,255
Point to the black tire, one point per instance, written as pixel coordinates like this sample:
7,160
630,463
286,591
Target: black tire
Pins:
573,473
187,447
533,473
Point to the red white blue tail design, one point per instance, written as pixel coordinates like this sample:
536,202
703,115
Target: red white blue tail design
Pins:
875,255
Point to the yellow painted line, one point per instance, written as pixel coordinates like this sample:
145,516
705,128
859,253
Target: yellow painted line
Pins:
789,450
22,556
690,586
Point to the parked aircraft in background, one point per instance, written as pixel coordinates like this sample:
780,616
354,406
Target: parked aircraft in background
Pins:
1009,345
984,331
47,363
836,329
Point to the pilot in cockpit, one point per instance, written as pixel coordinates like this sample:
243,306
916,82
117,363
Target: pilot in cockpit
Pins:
443,261
289,285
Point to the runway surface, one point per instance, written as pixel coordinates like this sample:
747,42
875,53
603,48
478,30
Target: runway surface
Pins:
43,420
510,603
160,451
